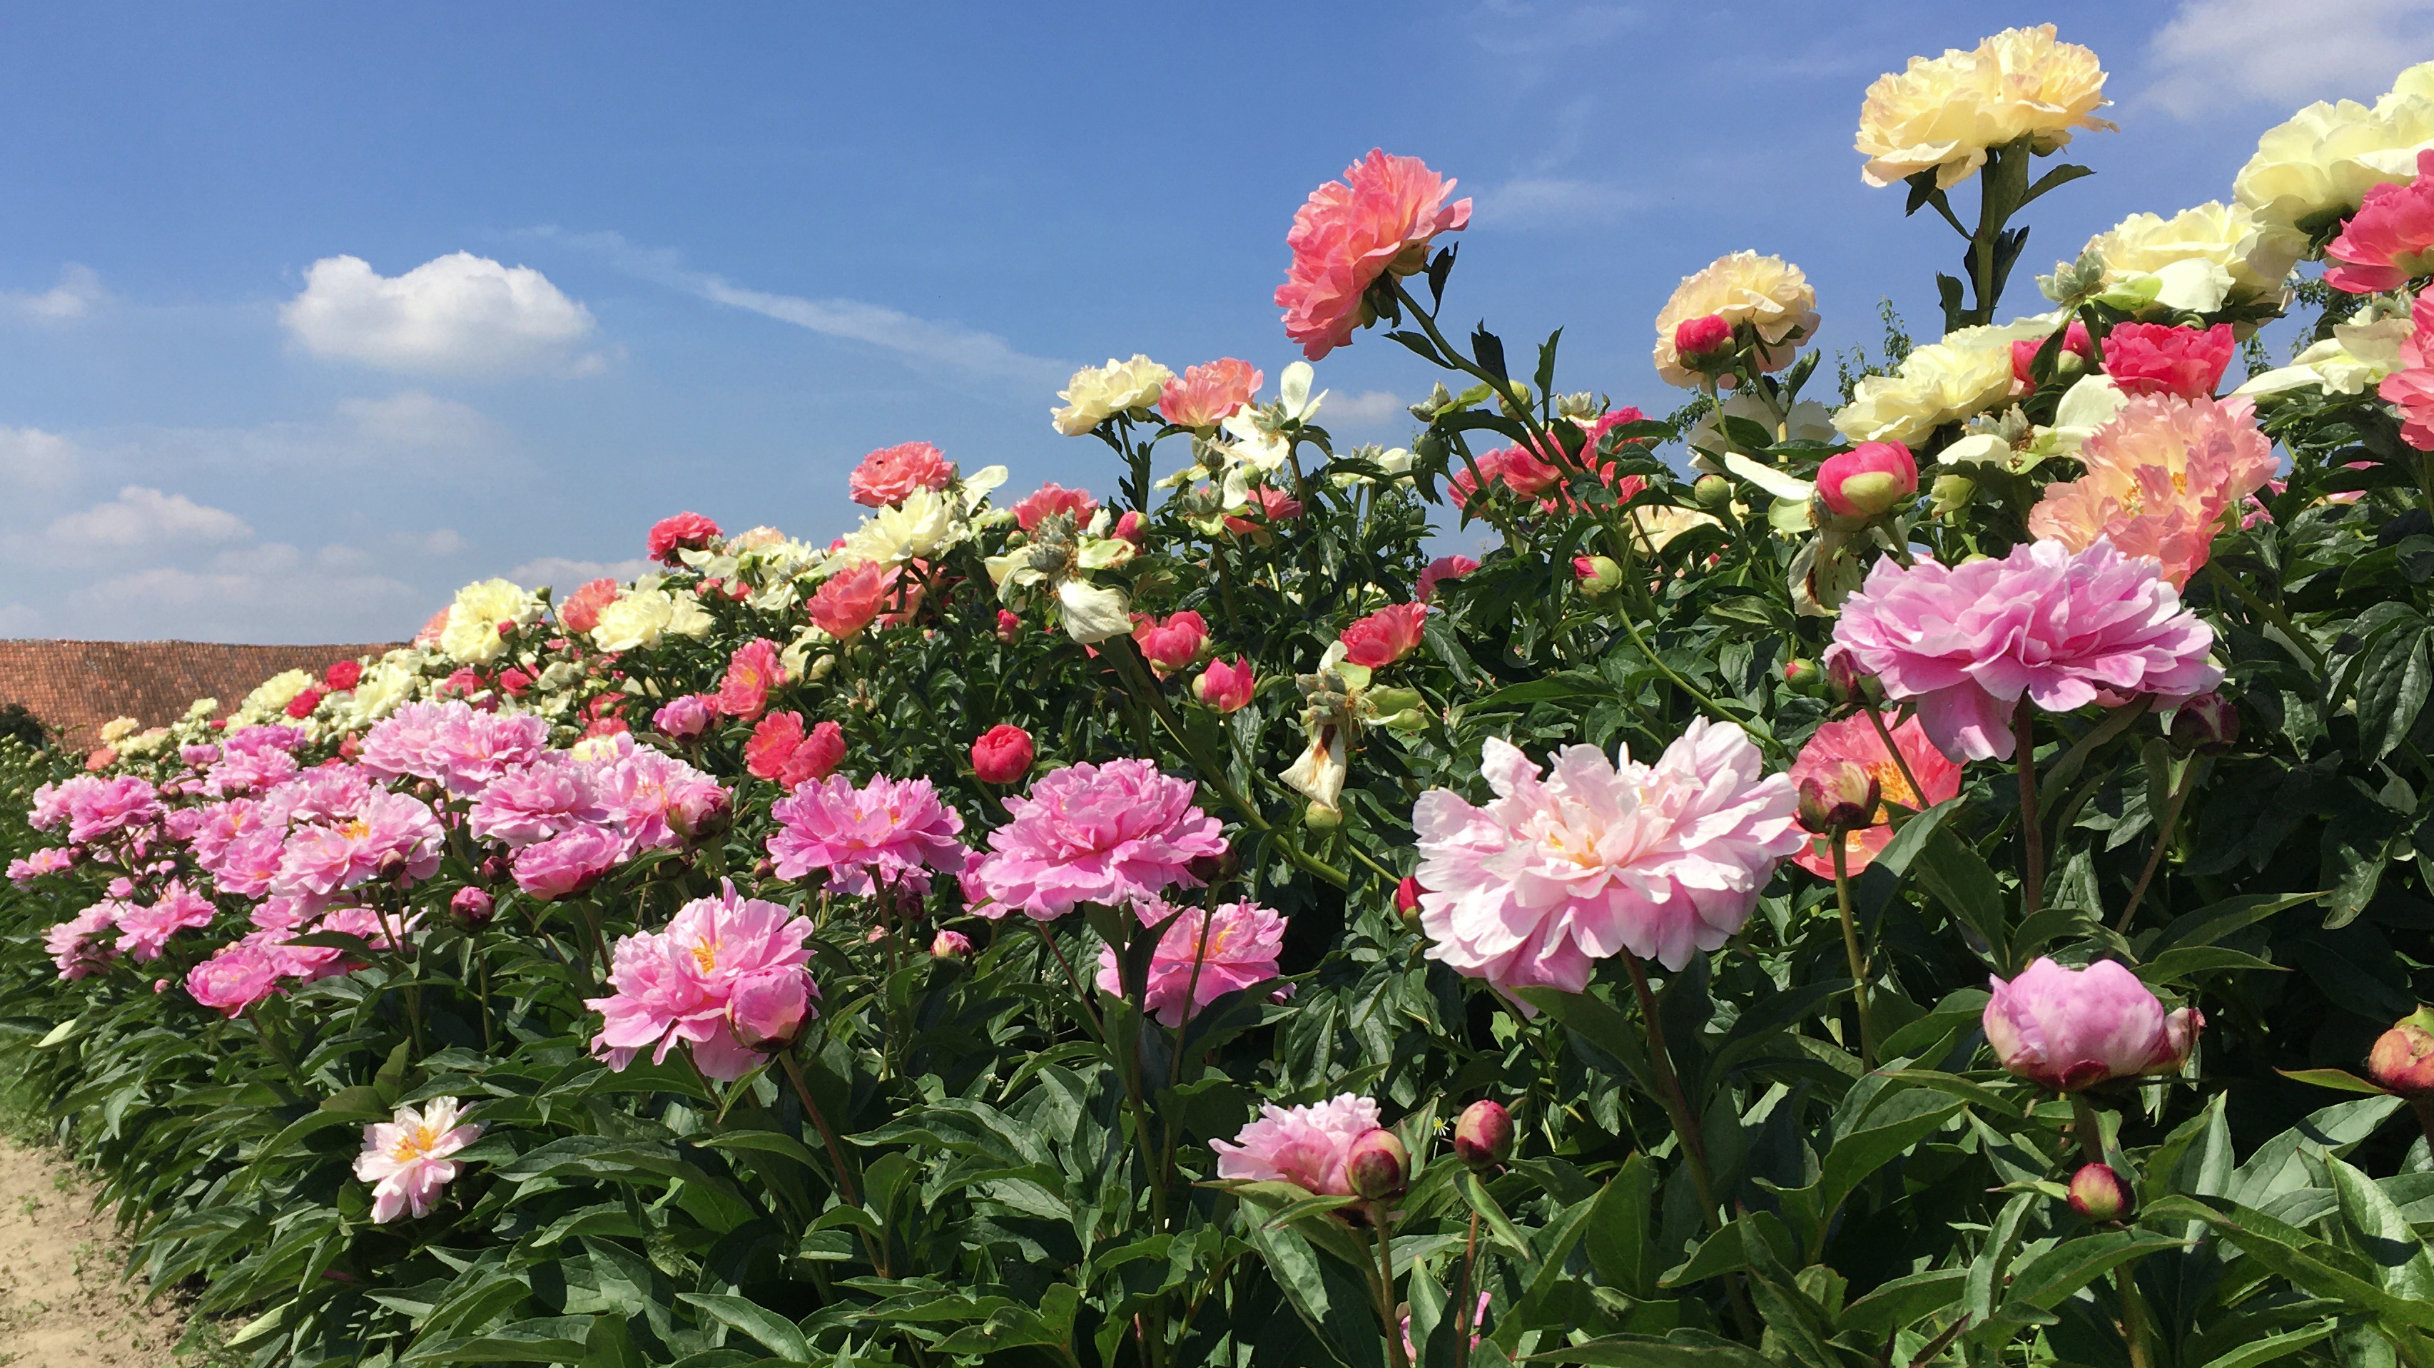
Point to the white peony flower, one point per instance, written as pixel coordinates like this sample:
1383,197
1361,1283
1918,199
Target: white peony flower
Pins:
471,636
1098,393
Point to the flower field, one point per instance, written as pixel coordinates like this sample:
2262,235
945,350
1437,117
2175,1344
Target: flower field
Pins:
1931,874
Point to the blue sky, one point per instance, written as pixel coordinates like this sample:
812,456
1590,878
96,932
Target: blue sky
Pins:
757,241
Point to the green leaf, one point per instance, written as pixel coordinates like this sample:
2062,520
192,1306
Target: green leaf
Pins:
1682,1349
1956,877
2339,1080
2045,1280
2378,1231
1904,1301
765,1327
1617,1240
2272,1347
2394,678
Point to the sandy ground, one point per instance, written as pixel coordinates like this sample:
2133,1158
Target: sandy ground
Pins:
61,1302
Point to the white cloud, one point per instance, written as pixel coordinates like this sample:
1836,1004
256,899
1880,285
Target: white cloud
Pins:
416,419
1366,409
32,457
1554,202
2220,54
78,290
447,541
565,574
141,517
458,314
271,592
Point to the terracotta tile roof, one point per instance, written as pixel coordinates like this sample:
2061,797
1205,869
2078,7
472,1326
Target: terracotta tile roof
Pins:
75,686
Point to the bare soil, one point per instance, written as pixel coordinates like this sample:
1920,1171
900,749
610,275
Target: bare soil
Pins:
62,1301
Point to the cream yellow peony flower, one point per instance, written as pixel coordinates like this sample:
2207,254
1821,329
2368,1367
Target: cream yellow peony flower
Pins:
1098,393
2319,164
472,634
641,617
1764,292
386,686
118,729
2197,261
1966,373
1943,113
270,697
917,527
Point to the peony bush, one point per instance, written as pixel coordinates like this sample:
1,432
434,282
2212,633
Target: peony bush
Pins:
1929,875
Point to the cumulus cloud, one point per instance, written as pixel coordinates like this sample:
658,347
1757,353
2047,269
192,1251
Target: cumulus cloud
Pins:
78,291
30,457
564,574
144,517
455,315
1366,409
269,593
1554,202
2220,54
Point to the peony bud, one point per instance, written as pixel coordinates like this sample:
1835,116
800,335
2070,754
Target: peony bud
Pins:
1846,685
1002,755
471,905
1128,528
1703,341
1842,798
767,1010
1483,1134
1377,1168
1319,817
2206,725
1712,492
1802,676
1175,644
1223,686
1869,480
950,945
2098,1193
2075,1028
2403,1058
1407,895
1599,575
1009,626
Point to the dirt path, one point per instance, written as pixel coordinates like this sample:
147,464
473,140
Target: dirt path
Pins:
61,1302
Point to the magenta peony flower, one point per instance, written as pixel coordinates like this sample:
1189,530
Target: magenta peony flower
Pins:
888,831
2160,477
682,983
889,474
1381,217
2390,240
104,807
567,863
2062,628
1175,644
1854,740
240,975
1300,1145
143,931
1203,395
2156,358
2075,1028
1385,636
1002,755
1117,834
1225,686
1050,499
683,532
751,673
405,1158
453,743
1233,949
1603,857
686,716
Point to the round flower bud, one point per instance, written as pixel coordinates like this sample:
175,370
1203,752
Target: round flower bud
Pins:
1599,575
2206,725
1002,755
1869,480
1009,626
1407,895
1846,684
1703,341
1377,1168
471,905
1321,818
952,945
2098,1193
1483,1134
2403,1057
1843,798
1803,676
1711,492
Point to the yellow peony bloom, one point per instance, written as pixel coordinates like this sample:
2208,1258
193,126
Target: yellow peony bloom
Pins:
270,697
637,618
1098,393
1965,374
917,527
1943,113
472,634
1764,292
2318,165
2197,261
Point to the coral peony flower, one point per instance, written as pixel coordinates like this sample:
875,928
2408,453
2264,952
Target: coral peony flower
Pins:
1385,636
751,673
1205,394
581,611
1201,957
1602,857
1943,114
1268,507
848,601
1870,479
2160,477
1175,644
1379,218
887,475
2075,1028
682,983
1301,1145
687,715
1438,571
1050,499
782,752
684,532
2075,342
405,1158
1772,299
2153,358
888,831
2390,240
1225,686
1009,625
2061,628
1117,834
1853,740
1002,755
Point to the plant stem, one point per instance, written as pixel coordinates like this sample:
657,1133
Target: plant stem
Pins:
2424,1107
1669,1092
1850,947
1387,1319
1876,719
2087,1128
2135,1331
1464,1309
836,1156
2163,841
2032,831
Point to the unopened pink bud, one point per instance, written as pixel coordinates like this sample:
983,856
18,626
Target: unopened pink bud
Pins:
1869,480
1377,1168
1483,1134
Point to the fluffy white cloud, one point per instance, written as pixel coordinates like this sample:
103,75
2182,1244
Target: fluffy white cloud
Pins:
1365,409
269,593
565,574
458,315
143,517
37,459
1554,202
78,290
2219,54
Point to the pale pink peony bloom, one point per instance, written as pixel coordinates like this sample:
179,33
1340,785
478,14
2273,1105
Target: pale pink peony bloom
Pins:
405,1158
1440,570
1201,957
552,795
1203,395
1050,499
1117,834
143,931
2161,476
1601,858
104,807
581,611
1225,685
2061,628
887,475
80,945
393,835
236,978
682,983
686,716
752,672
1854,739
2156,358
853,598
2075,1028
1305,1146
567,863
1171,645
453,743
2390,240
1381,217
48,860
683,532
1385,636
655,799
888,831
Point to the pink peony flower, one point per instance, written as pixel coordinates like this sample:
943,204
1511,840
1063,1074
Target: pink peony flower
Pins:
950,945
849,600
781,752
682,983
1854,740
2075,1028
1603,857
1225,685
1440,570
79,946
2062,628
1268,507
684,532
1203,395
751,673
2156,358
240,975
1706,337
391,836
1385,636
2075,342
2411,388
104,807
888,831
567,863
1381,217
1305,1146
1869,480
48,860
2390,240
1002,755
1175,644
887,475
1201,957
1009,625
687,716
581,611
143,931
656,800
1117,834
453,743
405,1158
2161,476
1048,500
541,800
